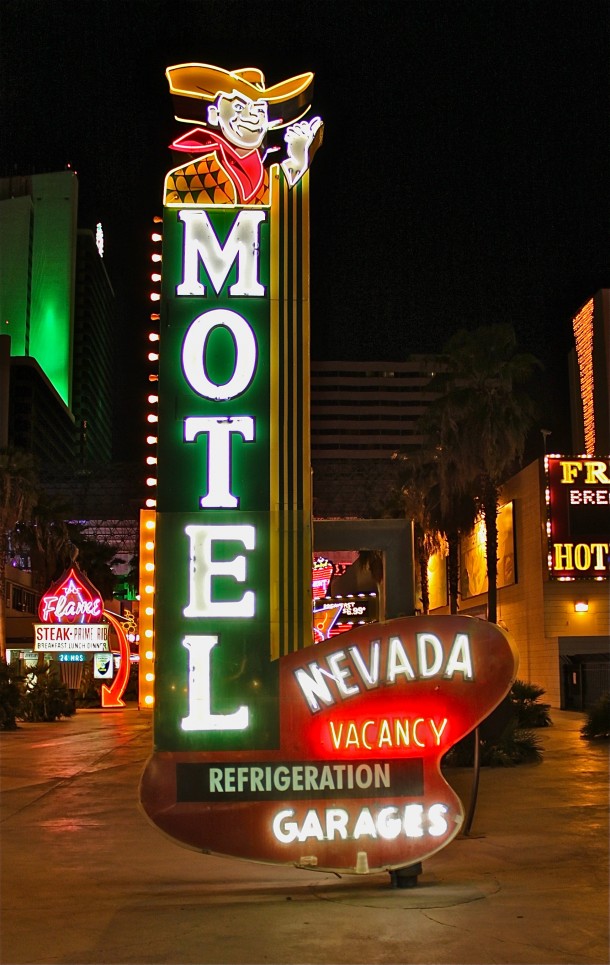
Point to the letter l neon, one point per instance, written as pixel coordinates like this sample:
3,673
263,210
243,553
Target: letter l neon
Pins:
200,716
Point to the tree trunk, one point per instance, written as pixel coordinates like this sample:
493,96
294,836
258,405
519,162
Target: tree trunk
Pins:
425,587
490,510
453,576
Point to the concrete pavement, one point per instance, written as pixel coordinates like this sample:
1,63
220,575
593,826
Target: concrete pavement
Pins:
87,880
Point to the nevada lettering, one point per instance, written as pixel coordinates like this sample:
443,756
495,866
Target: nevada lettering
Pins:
346,673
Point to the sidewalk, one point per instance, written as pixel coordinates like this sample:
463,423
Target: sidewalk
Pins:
87,880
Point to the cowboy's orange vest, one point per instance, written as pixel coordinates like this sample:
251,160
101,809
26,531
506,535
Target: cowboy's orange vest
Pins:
205,181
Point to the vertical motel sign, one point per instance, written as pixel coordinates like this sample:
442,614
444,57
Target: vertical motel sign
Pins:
267,747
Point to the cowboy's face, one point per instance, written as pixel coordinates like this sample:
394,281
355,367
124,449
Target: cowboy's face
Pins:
242,121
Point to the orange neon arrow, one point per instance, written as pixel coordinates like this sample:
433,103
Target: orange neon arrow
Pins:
324,621
111,696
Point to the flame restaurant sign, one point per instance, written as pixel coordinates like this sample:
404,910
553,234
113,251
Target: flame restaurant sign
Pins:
578,499
266,746
70,613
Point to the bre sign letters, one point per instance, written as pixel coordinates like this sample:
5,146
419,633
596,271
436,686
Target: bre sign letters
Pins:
578,496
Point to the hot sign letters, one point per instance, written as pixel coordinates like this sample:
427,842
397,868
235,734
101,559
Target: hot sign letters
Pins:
267,746
578,499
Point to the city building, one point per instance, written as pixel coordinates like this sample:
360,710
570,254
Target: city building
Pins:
32,415
362,413
554,518
57,339
57,307
38,232
554,541
56,342
94,346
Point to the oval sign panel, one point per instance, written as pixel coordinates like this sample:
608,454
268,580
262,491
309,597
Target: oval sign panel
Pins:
355,784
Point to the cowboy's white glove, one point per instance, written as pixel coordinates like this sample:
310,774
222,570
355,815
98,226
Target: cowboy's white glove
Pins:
299,138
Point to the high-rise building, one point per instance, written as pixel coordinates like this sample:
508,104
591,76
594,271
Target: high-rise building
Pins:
36,419
94,344
57,307
57,338
38,231
362,413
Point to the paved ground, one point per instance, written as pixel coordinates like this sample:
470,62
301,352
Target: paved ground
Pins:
86,879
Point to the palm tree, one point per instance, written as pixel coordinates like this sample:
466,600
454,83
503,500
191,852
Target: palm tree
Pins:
96,560
479,424
45,536
457,512
418,483
481,419
439,512
18,487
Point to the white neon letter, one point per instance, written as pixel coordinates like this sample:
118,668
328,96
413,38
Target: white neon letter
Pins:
339,673
200,716
203,569
412,820
219,431
438,824
388,823
193,354
314,687
423,641
201,243
460,660
370,673
398,662
365,825
285,831
336,821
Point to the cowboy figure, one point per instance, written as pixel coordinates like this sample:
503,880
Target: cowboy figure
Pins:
231,154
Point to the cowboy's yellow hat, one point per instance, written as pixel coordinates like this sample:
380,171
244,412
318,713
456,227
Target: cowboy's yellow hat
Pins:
192,85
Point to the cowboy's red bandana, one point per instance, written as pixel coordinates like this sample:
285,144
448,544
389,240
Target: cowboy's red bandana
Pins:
246,171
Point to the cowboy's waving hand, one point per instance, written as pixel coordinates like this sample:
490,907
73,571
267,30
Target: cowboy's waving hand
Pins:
302,141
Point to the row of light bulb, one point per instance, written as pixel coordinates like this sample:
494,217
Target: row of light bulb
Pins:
148,515
147,609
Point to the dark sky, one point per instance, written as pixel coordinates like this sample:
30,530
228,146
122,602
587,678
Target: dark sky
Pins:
464,177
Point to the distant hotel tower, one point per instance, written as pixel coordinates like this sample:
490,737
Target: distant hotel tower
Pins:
57,307
361,414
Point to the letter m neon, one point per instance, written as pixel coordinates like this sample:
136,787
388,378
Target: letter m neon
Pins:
201,245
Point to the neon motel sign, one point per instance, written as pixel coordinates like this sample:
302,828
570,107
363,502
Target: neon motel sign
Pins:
266,746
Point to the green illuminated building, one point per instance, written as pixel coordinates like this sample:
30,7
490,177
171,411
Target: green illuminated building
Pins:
38,228
57,307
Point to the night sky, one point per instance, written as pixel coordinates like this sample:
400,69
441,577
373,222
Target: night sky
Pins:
464,177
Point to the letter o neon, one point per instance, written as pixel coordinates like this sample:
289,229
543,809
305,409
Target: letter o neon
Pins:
193,354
